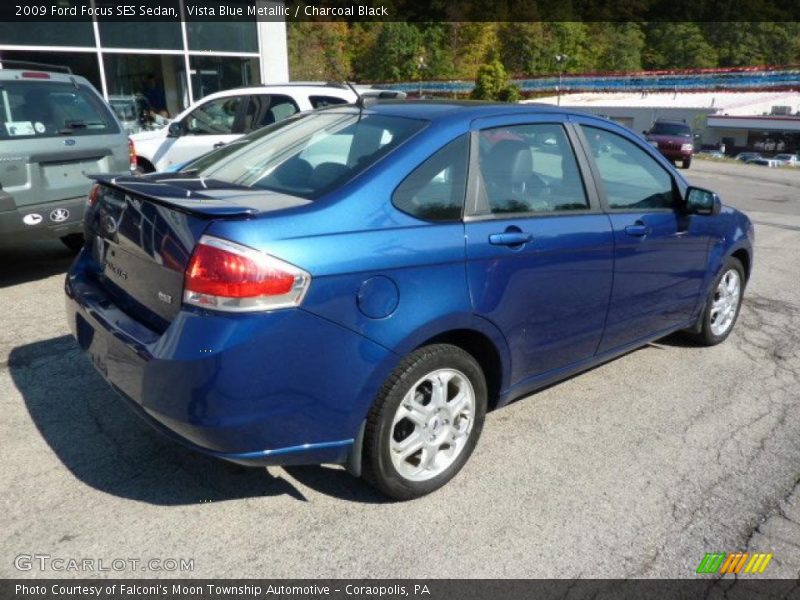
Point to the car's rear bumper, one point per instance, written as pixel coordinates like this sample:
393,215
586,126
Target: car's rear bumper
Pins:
48,220
285,387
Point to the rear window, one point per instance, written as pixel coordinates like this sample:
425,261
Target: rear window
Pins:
309,155
323,101
48,109
671,129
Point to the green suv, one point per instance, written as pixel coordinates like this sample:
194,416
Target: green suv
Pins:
55,128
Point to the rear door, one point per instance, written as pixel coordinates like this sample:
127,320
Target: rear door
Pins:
539,249
661,252
52,133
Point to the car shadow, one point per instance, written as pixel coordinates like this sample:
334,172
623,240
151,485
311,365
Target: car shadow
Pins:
108,447
676,340
33,261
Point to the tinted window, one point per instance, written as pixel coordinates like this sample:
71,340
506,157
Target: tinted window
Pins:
435,189
631,178
216,117
321,101
312,154
29,109
530,168
263,110
671,129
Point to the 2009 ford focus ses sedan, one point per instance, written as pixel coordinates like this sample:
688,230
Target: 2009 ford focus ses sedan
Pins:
359,286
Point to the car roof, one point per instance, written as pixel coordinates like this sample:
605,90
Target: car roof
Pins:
436,110
319,88
20,75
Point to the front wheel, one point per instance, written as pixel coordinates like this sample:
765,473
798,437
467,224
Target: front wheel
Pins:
425,422
686,163
722,305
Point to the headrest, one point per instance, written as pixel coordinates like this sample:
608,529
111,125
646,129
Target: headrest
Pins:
508,161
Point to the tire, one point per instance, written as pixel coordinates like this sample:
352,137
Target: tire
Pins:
444,435
686,163
73,241
712,331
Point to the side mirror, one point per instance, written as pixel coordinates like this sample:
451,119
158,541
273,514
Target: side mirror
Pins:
700,201
176,129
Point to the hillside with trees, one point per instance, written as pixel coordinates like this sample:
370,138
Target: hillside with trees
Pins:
397,51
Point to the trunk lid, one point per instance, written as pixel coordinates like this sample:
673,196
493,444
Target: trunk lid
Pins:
142,230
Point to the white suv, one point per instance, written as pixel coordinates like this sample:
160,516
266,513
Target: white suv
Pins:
225,116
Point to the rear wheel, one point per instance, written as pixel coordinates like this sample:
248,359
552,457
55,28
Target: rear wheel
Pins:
73,241
425,422
722,305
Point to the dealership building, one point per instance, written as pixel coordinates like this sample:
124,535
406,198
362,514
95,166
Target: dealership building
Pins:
172,62
765,121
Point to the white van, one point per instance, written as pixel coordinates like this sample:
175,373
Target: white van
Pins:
225,116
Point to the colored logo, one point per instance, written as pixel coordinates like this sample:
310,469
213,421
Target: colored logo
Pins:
69,142
738,563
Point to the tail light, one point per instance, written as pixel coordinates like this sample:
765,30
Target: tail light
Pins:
226,276
94,194
132,155
35,75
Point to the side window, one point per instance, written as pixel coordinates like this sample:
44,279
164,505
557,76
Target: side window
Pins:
435,190
263,110
215,117
632,179
529,169
321,101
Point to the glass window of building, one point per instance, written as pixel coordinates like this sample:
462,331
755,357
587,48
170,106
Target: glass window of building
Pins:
215,73
161,35
232,36
159,78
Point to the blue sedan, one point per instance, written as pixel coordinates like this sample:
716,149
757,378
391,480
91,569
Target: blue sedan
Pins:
358,285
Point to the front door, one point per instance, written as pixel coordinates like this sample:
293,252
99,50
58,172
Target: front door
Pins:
661,252
539,250
210,125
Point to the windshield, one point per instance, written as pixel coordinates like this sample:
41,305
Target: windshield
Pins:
671,129
308,155
47,109
125,109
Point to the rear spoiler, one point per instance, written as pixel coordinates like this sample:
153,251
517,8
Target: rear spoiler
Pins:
207,198
173,197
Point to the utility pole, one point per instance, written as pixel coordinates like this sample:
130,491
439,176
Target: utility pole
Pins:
561,59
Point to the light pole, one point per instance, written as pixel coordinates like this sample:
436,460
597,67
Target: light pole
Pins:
421,66
560,60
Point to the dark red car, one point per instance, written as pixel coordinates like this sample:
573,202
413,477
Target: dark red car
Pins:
674,140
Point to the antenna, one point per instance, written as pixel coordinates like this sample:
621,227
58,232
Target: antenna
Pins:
360,100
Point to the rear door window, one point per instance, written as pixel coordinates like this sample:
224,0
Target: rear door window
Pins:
49,109
322,101
264,109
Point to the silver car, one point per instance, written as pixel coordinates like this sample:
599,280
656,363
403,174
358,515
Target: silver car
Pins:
55,128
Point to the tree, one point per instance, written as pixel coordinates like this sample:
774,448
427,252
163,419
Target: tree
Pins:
318,50
678,46
491,83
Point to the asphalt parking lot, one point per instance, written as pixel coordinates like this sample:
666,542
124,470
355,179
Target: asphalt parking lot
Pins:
635,469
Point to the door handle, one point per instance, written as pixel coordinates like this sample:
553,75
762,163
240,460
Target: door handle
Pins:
219,145
638,229
510,238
